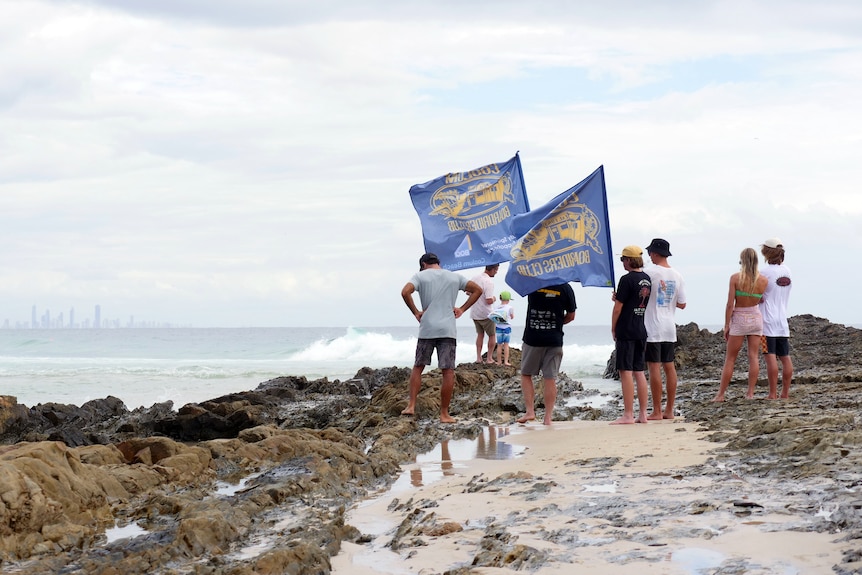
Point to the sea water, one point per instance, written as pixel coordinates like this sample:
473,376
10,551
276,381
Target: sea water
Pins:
144,366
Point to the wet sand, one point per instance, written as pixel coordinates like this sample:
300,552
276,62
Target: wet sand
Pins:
601,498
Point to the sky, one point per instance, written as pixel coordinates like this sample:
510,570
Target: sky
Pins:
247,163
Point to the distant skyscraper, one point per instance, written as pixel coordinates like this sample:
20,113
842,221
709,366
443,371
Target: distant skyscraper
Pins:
33,323
72,317
97,322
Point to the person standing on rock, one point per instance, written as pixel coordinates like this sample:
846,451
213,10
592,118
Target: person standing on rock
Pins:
629,333
548,310
743,321
668,294
776,330
438,290
480,312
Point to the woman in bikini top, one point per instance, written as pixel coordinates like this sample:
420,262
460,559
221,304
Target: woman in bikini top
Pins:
742,321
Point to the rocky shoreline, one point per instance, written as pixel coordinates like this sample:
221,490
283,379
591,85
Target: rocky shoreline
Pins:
298,453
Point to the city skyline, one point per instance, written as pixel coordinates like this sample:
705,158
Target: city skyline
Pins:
46,320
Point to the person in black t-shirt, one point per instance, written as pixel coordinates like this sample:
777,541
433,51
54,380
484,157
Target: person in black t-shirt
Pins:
548,309
627,327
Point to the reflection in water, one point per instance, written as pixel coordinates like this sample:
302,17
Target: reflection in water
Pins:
441,463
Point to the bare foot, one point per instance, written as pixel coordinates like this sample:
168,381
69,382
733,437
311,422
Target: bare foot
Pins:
447,419
771,397
749,396
623,421
655,416
668,416
525,419
546,422
508,364
642,419
407,411
718,398
491,362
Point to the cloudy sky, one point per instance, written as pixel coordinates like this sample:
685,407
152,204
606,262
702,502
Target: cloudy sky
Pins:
247,163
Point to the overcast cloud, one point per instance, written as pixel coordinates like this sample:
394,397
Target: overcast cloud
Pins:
227,163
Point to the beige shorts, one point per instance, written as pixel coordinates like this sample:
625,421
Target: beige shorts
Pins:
486,326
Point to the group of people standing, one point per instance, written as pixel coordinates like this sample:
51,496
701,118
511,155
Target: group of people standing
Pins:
642,324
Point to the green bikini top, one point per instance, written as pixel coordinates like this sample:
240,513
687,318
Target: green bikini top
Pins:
740,293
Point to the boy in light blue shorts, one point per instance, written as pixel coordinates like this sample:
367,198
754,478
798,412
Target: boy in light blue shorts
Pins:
502,315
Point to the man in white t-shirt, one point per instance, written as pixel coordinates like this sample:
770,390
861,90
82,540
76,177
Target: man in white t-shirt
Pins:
668,294
773,308
482,309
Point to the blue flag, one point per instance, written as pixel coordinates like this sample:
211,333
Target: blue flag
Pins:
566,240
467,217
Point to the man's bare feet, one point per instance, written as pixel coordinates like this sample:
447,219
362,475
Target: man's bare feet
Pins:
508,364
749,396
447,419
407,411
623,421
718,399
655,416
492,362
642,419
668,416
546,422
525,419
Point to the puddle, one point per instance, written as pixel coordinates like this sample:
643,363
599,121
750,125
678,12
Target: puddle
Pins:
450,455
129,531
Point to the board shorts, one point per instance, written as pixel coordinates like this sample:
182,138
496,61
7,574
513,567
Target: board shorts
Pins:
445,347
779,346
504,334
486,326
546,360
746,321
660,351
631,354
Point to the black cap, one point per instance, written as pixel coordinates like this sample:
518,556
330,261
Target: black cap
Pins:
428,259
660,247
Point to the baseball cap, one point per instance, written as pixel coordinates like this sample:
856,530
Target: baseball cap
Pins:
659,246
773,243
632,252
504,295
428,259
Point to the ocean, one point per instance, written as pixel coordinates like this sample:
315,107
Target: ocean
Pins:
143,366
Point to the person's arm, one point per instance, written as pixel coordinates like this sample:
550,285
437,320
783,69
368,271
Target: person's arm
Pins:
680,305
407,296
615,316
728,308
569,317
475,292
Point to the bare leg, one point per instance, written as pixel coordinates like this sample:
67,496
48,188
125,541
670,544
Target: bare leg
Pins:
480,338
627,382
643,398
655,388
734,344
446,395
529,398
506,354
500,353
415,386
771,374
492,343
786,375
670,375
550,398
753,363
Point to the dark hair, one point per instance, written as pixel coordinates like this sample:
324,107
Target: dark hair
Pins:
428,259
635,262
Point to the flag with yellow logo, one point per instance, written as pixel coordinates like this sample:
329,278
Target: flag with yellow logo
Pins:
467,217
566,240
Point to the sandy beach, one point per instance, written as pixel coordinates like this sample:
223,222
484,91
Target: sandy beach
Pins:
588,497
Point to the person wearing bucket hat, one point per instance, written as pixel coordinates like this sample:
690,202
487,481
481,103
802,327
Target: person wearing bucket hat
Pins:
776,330
627,327
668,294
502,315
438,289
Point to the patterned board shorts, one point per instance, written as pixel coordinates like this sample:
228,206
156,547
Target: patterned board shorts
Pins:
746,321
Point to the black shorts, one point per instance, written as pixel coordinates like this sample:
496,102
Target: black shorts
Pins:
660,351
779,346
630,354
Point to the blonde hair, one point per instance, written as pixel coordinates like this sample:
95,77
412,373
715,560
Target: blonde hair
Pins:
748,270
